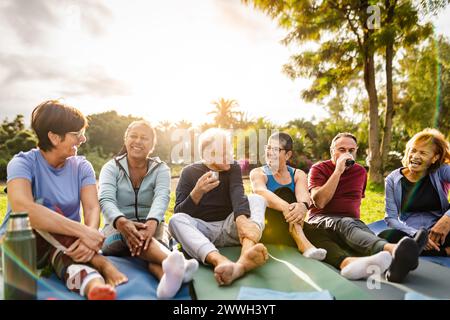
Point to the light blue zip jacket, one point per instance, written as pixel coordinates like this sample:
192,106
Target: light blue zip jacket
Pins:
411,222
118,198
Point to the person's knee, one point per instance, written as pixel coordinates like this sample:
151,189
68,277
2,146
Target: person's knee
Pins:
286,194
66,241
176,220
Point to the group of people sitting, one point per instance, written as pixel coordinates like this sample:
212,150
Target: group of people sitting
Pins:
319,213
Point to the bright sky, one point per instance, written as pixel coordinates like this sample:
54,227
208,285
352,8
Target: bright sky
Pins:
164,60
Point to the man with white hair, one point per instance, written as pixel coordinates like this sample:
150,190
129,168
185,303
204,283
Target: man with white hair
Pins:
211,210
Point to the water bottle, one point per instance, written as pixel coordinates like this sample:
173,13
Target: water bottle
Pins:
19,259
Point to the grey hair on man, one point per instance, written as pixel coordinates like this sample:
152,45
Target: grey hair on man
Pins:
215,145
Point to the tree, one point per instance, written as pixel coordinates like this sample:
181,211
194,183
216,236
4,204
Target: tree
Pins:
13,139
346,52
400,28
9,129
425,88
105,132
24,140
224,114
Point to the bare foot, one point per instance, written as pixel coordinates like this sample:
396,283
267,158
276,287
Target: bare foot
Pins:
254,257
112,276
102,292
227,271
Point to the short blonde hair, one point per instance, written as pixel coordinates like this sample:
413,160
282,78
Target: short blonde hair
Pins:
211,136
434,137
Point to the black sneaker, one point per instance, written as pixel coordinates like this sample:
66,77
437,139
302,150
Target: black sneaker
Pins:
405,259
421,238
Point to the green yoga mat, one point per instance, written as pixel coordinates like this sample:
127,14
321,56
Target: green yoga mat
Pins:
429,279
283,272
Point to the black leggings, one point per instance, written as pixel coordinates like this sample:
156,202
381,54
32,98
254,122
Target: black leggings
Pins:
277,232
394,236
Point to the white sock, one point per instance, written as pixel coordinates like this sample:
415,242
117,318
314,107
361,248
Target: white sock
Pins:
170,283
359,269
315,253
190,267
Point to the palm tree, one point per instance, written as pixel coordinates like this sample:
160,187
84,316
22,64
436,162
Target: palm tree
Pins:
224,115
165,126
183,124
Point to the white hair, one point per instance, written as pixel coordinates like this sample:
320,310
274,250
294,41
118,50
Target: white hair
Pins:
212,139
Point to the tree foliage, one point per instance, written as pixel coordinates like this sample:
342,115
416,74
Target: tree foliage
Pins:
346,45
13,139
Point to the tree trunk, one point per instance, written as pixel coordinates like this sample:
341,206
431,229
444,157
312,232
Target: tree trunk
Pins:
387,134
389,112
375,174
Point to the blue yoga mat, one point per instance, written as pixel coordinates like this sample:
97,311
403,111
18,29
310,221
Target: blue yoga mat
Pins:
141,284
380,225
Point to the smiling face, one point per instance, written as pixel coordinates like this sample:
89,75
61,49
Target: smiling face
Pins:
276,154
139,141
420,157
67,146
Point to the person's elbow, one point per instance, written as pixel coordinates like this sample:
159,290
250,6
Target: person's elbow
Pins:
318,201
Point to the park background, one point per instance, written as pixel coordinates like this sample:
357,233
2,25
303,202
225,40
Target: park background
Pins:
380,70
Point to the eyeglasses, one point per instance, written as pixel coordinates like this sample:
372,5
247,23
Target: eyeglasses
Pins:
274,149
78,134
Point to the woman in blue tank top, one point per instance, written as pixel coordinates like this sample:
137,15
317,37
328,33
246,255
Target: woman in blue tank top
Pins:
288,200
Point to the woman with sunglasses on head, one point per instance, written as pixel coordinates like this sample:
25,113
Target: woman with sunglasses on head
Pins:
286,191
48,183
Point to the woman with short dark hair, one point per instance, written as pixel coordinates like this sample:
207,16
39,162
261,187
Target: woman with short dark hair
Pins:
286,191
49,183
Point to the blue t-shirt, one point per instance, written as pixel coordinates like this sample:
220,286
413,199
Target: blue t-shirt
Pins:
57,189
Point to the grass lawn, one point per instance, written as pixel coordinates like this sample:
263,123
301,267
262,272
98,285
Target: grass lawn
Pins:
2,202
372,208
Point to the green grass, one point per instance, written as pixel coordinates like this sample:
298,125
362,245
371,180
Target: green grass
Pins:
372,208
3,202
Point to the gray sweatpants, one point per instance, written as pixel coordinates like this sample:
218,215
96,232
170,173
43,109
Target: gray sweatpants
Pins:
199,238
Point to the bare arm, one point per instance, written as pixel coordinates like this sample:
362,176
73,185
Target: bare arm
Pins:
258,181
91,207
322,195
301,187
20,198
